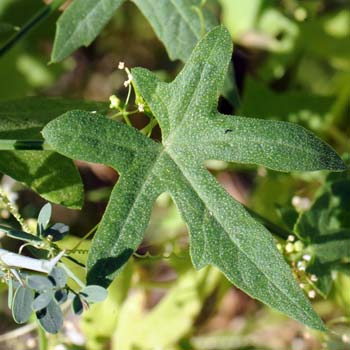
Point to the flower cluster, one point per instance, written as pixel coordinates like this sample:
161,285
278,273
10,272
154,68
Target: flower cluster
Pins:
299,259
122,108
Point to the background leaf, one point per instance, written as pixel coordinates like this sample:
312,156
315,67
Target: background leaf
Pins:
93,294
77,305
39,283
177,24
21,307
183,302
53,176
44,217
58,277
80,24
42,301
51,318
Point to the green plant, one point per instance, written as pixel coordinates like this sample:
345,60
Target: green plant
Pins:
43,293
40,137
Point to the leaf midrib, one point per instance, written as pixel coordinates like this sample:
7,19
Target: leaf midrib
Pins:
213,210
259,142
139,193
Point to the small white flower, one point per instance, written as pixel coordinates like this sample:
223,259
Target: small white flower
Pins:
114,102
302,285
121,65
314,278
301,266
291,238
301,203
93,112
60,347
141,107
307,257
289,247
311,294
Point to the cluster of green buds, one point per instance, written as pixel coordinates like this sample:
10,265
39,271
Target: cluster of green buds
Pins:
295,254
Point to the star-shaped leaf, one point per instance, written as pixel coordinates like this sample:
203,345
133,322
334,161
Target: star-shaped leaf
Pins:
222,232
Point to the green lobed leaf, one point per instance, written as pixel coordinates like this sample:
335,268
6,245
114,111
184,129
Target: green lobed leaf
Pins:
21,306
222,232
50,318
53,176
80,24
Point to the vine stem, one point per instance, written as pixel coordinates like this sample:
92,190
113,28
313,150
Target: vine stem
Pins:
43,340
84,238
43,13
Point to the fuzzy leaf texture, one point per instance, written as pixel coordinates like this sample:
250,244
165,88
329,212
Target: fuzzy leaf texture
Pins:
222,233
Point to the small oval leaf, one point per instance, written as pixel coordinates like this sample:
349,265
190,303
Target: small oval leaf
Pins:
41,301
10,293
20,235
44,217
39,283
94,294
21,307
61,296
58,231
58,277
51,318
77,305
